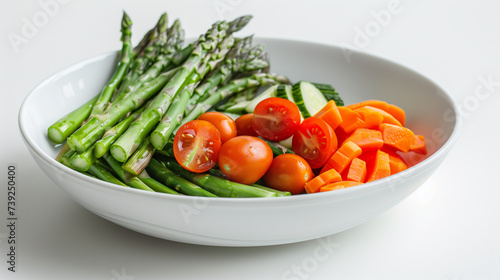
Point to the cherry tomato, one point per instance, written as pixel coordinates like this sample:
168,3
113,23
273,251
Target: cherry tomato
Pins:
315,141
224,123
245,159
244,125
276,118
288,172
196,145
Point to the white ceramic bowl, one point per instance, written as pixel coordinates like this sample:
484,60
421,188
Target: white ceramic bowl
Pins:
252,221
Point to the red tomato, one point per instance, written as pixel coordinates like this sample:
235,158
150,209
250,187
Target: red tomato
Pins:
244,125
224,123
315,141
288,172
196,145
276,118
245,159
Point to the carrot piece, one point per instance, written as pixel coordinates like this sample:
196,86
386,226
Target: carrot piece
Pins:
339,185
330,114
356,171
397,112
350,120
398,137
418,146
342,157
314,185
371,102
387,118
371,118
394,110
367,139
330,176
381,167
396,162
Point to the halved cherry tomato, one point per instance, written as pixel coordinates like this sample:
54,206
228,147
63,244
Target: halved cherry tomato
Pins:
245,159
244,125
276,118
196,146
288,172
224,123
315,141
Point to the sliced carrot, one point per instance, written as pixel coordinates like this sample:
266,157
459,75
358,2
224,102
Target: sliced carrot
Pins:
366,139
394,110
330,176
342,157
371,102
398,137
330,114
387,118
418,146
396,162
356,171
371,118
339,185
381,167
314,185
350,120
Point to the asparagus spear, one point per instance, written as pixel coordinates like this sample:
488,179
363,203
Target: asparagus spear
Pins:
169,178
121,70
65,126
218,186
102,145
126,144
155,185
231,88
128,179
95,127
98,170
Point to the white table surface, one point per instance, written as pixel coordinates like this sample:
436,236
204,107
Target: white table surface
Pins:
449,229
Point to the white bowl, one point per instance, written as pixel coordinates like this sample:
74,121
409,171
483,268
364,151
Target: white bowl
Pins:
252,221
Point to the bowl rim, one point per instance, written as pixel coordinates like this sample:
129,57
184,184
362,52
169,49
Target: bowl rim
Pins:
314,197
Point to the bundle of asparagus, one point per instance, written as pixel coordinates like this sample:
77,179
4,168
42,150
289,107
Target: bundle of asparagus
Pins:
157,86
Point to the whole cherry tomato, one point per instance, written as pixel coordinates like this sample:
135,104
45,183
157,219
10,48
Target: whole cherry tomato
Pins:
244,125
245,159
224,123
288,172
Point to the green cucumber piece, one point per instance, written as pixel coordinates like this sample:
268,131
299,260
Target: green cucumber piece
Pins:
285,91
329,93
269,92
309,99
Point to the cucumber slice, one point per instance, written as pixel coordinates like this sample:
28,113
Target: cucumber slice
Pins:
285,91
309,99
329,93
270,92
238,108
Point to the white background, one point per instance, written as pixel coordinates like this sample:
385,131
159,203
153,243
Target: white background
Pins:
448,229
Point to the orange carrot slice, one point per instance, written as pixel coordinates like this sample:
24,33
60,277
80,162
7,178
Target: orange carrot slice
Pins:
366,139
356,171
330,176
371,118
350,120
339,185
330,114
394,110
398,137
314,185
381,167
396,162
418,146
387,118
342,157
